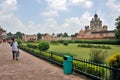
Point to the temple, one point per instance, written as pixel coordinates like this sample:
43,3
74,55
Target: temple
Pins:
95,30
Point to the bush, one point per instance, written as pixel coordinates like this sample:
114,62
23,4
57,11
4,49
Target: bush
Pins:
97,56
43,46
19,41
94,46
114,60
30,41
63,53
113,42
65,43
53,43
32,45
91,69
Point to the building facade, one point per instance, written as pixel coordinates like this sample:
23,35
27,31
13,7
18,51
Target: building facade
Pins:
96,31
47,37
30,38
3,34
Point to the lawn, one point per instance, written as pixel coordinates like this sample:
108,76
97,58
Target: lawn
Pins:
80,52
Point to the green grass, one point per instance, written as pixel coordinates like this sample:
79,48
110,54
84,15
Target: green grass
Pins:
80,52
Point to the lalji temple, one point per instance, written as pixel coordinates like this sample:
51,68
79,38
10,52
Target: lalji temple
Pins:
95,30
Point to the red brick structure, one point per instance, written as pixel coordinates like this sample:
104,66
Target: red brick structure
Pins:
3,34
47,37
29,38
96,30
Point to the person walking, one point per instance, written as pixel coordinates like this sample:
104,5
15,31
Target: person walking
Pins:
15,49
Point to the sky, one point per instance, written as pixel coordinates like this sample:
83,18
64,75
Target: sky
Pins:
55,16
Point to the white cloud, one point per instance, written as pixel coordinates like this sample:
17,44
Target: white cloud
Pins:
51,23
74,24
54,6
114,5
7,19
10,22
86,17
57,4
9,5
88,4
71,25
83,3
73,21
50,13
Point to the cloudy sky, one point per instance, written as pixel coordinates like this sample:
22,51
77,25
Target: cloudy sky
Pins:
55,16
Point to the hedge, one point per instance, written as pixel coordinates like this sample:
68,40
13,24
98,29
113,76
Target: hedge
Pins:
94,70
113,42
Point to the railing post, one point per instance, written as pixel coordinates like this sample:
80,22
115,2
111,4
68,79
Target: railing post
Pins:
115,73
51,57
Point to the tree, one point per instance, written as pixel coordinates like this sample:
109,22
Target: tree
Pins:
43,46
19,35
65,35
117,24
74,35
9,34
59,34
53,34
39,35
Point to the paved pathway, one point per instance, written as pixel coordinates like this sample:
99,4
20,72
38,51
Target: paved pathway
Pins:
29,67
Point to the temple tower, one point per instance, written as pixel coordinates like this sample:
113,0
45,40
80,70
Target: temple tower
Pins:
96,24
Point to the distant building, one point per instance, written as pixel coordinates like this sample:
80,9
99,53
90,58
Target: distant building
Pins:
3,34
96,30
29,38
64,38
47,37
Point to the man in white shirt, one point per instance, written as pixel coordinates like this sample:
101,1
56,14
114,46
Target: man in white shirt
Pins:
15,50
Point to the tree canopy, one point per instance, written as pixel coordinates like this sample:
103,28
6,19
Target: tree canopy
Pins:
117,24
39,35
19,35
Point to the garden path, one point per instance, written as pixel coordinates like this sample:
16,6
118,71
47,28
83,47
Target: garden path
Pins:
29,67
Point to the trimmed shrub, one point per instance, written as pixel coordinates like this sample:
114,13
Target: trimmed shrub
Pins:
43,46
32,45
53,43
63,53
114,60
113,42
94,46
65,43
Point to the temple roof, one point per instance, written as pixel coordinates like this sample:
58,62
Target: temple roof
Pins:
95,15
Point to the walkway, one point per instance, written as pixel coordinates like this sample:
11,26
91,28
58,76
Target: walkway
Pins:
29,67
